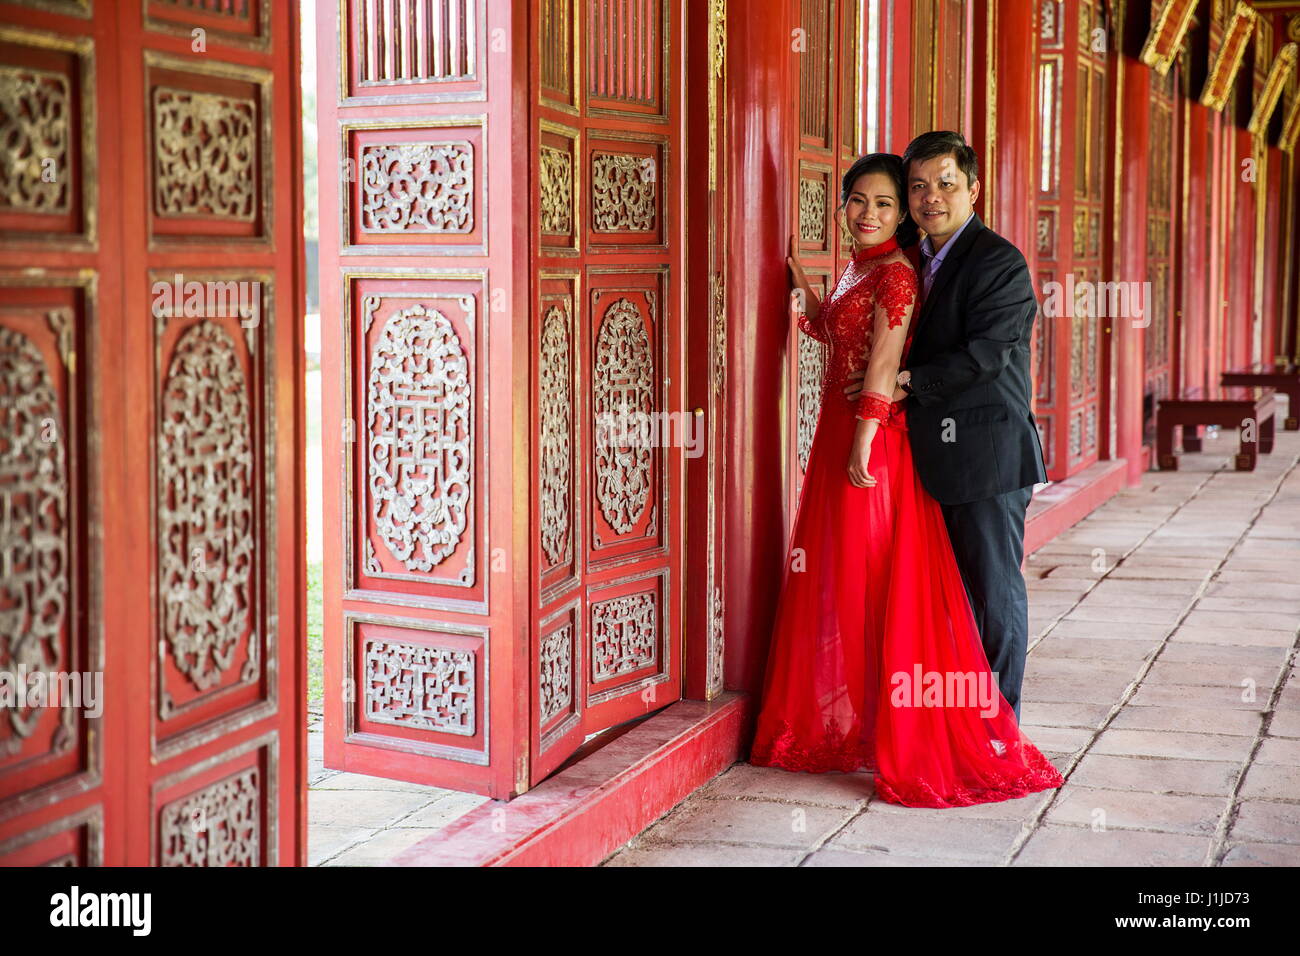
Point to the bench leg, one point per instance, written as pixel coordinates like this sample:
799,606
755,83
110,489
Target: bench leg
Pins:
1165,457
1266,429
1247,455
1191,438
1292,423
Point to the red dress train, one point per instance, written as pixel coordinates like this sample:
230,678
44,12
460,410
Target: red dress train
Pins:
876,660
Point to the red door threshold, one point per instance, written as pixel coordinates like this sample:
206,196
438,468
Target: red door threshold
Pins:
587,811
1063,504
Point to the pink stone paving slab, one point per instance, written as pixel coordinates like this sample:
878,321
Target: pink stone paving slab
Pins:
1153,743
925,835
1272,782
1205,720
744,780
1263,821
1209,778
1138,810
1263,854
1082,846
704,854
761,822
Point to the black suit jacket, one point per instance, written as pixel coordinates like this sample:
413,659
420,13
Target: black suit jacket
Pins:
973,435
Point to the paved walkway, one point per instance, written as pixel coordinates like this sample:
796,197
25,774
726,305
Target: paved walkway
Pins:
355,820
1161,681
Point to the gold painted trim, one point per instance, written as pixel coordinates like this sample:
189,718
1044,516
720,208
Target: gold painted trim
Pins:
1151,54
668,66
1291,127
1278,75
1224,71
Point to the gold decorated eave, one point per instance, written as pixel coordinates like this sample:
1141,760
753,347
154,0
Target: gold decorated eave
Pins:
1167,32
1278,76
1224,72
1291,126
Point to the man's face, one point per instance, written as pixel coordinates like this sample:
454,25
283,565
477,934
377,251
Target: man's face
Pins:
940,197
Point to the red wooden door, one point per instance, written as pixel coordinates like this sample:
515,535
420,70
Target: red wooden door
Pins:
1070,231
829,103
151,529
606,163
499,262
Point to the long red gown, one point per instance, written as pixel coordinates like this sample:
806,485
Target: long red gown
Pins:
876,659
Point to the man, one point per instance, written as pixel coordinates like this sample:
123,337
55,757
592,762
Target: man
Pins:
974,440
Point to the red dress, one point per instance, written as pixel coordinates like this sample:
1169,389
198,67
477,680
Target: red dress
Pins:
876,660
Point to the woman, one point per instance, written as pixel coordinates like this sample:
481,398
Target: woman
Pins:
876,660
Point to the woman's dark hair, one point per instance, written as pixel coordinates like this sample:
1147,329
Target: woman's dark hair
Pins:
892,166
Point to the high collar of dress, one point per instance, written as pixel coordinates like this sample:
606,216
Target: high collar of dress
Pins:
865,254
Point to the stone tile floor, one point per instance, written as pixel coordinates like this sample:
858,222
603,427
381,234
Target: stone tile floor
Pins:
1161,681
356,820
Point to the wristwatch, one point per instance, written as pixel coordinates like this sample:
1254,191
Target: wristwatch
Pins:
904,380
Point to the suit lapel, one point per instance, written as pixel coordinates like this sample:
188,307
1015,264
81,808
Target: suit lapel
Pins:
951,263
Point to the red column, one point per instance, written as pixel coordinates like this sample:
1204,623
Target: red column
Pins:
1131,261
1012,162
761,135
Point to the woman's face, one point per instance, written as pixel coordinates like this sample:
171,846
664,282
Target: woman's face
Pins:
872,210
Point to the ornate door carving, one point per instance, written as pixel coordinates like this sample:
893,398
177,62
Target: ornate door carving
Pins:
149,465
508,573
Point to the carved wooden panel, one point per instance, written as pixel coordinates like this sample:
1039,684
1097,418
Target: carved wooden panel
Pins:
210,151
816,67
416,448
624,197
560,668
76,840
245,23
214,492
558,181
812,369
817,198
48,180
627,44
51,641
413,50
626,360
221,811
557,47
417,686
627,641
560,433
414,189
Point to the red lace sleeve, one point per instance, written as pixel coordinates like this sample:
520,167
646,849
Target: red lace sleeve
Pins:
809,327
874,405
896,291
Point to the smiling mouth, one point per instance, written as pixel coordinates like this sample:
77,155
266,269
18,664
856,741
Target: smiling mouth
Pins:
931,213
864,227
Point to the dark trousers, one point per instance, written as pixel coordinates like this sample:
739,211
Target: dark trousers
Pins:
988,538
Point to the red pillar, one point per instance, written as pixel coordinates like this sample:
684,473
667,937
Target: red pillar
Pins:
1131,261
1010,157
761,135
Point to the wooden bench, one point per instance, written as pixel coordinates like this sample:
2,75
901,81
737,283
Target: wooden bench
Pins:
1284,378
1226,407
